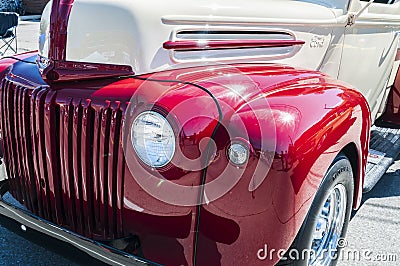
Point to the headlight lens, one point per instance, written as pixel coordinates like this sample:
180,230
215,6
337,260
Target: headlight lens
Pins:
153,139
238,154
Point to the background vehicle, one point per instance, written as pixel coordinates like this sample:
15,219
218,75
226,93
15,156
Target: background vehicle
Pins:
129,93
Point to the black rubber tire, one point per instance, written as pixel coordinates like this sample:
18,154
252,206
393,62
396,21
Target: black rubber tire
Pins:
340,172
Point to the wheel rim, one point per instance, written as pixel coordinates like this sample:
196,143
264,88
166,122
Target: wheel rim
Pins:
329,226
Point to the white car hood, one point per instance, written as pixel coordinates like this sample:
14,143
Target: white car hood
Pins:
133,32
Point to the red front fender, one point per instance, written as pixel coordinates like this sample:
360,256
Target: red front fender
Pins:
312,119
303,117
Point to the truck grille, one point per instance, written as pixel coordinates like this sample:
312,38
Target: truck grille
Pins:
64,158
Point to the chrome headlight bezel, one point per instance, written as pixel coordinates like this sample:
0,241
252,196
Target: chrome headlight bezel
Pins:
153,139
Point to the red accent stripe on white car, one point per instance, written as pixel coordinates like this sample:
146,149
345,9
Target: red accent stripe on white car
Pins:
229,44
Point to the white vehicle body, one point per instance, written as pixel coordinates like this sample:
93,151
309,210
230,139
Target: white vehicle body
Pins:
133,32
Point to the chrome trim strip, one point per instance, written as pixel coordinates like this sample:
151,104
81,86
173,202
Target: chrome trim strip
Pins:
377,23
195,45
219,20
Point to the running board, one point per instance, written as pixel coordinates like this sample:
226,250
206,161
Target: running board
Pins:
384,149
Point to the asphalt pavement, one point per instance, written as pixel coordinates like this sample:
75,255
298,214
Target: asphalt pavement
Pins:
373,236
16,250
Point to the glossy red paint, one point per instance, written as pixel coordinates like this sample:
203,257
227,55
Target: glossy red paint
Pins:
58,29
69,70
78,175
7,62
228,44
327,115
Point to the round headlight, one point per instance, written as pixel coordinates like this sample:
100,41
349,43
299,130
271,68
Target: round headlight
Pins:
153,139
238,154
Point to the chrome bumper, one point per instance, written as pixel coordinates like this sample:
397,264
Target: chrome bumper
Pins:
99,251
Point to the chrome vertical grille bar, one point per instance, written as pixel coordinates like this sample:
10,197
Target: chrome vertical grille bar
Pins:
64,158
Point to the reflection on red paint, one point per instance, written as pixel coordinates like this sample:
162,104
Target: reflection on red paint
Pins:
63,147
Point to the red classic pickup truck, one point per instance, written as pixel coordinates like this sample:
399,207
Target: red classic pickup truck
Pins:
200,132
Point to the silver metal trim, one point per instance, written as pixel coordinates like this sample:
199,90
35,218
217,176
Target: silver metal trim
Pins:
94,249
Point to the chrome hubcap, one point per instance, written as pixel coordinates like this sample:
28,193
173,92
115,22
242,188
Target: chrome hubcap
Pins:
329,227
